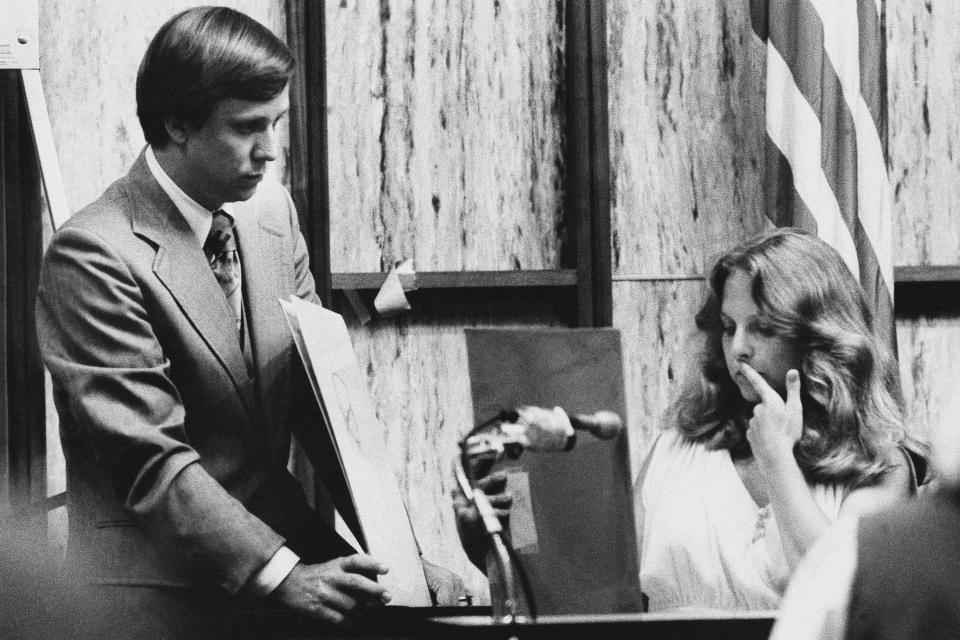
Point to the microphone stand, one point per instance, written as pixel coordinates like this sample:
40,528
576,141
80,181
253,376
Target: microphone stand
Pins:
504,611
479,450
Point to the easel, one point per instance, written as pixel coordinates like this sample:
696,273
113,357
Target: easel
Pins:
20,51
22,405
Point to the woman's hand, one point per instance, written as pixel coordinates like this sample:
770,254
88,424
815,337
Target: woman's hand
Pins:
774,429
776,425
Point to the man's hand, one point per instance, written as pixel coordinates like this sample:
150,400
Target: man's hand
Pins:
333,590
473,535
446,587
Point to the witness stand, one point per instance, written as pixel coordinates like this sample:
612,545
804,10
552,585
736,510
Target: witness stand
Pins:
474,623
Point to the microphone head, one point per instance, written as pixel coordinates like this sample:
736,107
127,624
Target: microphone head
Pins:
543,429
604,424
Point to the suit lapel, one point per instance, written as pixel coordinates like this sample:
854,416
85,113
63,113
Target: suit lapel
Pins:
182,267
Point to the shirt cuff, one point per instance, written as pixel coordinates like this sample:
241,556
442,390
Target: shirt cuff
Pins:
273,573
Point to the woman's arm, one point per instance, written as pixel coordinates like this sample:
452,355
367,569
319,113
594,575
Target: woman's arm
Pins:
801,521
774,429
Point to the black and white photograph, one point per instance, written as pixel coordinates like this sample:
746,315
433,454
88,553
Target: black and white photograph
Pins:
480,319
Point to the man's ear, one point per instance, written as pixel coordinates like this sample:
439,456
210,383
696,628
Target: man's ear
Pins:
177,129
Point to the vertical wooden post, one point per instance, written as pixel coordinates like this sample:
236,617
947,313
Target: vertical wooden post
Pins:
602,272
308,135
22,419
588,160
9,163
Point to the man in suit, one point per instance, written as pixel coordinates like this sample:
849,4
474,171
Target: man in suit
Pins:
175,378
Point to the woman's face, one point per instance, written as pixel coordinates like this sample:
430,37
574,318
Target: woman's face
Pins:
748,338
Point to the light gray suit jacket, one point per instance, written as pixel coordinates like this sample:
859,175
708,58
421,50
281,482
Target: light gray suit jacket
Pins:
166,433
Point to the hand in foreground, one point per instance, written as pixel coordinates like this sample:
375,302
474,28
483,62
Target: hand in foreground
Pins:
333,590
446,587
776,424
473,535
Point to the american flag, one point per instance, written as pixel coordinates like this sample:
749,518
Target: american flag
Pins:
826,122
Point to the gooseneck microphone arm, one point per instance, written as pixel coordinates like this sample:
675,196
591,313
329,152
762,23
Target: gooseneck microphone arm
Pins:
510,432
494,529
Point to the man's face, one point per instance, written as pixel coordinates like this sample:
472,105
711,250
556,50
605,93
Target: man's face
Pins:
227,155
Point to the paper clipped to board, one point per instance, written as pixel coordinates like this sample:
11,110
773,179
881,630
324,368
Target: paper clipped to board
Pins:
324,345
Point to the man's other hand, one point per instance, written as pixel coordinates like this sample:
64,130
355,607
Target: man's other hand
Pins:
333,590
473,534
446,587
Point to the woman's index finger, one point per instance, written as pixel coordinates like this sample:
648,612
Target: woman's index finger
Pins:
761,386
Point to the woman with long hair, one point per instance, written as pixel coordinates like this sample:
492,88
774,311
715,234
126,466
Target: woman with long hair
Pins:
792,419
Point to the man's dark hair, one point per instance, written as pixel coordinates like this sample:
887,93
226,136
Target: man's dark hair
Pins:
204,55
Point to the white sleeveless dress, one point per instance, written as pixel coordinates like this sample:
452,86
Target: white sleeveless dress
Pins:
705,544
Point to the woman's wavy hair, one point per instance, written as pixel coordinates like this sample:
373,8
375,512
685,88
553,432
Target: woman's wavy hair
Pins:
852,403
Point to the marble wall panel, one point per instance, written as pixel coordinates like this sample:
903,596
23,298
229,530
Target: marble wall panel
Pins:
416,366
686,132
89,54
686,153
445,124
929,354
923,71
655,319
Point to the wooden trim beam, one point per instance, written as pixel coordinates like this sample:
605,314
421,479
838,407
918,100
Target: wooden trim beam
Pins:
461,279
927,273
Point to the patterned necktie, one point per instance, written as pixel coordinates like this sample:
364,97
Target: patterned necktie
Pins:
221,251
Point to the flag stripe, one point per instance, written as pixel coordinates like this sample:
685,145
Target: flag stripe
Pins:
842,45
877,291
873,72
795,129
785,207
802,48
759,18
826,126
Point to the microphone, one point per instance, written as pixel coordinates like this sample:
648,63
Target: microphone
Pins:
540,429
603,425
